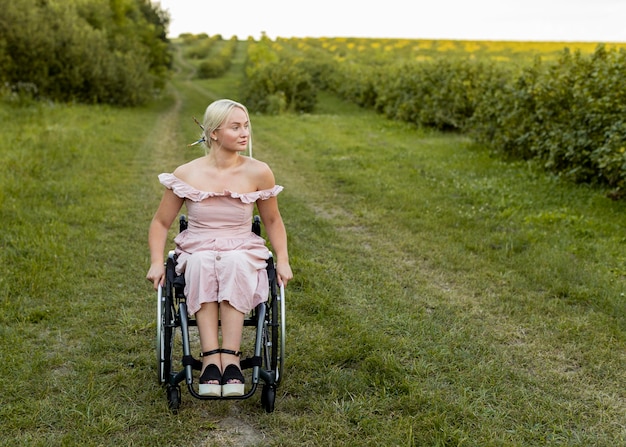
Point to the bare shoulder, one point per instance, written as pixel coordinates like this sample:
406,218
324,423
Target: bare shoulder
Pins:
257,166
261,173
185,171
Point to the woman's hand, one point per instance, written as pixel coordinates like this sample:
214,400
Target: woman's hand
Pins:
283,272
156,275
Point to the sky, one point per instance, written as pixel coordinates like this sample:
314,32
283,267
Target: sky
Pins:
517,20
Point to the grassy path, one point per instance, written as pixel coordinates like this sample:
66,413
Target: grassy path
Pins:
441,297
457,299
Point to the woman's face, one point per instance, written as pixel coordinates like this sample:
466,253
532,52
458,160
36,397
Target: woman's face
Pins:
234,132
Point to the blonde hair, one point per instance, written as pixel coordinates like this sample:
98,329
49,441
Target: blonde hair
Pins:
214,116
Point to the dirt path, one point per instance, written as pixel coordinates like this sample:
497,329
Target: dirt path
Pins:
233,429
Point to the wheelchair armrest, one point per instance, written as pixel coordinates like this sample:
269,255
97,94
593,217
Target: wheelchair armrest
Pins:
256,225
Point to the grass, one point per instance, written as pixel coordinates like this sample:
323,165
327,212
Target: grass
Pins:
474,300
442,297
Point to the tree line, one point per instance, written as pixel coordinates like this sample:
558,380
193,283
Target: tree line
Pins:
91,51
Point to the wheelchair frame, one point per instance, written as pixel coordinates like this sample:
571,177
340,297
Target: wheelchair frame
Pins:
268,318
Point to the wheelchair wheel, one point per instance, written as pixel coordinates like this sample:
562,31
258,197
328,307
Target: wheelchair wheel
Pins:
274,345
268,397
165,333
173,397
276,325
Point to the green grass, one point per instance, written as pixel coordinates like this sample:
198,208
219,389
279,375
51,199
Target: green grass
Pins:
441,297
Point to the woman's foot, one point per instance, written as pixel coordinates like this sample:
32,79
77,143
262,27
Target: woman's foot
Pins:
232,381
232,378
210,381
211,377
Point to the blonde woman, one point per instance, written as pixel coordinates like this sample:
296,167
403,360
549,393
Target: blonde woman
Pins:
223,261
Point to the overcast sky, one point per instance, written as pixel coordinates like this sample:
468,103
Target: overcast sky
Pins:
540,20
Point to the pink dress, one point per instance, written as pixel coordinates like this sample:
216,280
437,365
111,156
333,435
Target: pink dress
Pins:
221,257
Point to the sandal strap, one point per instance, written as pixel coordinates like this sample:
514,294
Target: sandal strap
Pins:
231,352
211,352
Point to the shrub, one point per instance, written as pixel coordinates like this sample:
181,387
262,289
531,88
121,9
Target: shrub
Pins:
358,83
89,51
217,62
274,84
442,94
568,114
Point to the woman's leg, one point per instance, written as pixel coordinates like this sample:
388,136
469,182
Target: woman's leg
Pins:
208,324
232,329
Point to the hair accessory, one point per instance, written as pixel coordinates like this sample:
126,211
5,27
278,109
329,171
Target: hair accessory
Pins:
198,123
201,140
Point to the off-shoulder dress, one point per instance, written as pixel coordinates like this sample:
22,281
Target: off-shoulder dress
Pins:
220,256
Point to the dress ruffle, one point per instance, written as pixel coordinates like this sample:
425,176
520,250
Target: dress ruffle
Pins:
185,191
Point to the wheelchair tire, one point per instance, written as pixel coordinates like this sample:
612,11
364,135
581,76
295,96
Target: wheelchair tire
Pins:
276,324
165,334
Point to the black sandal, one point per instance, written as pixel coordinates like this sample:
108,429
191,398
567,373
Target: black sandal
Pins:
210,374
232,378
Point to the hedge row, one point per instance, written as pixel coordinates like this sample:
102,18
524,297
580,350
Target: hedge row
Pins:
199,46
216,64
274,83
568,113
442,94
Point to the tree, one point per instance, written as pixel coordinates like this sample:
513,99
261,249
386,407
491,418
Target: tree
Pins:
85,50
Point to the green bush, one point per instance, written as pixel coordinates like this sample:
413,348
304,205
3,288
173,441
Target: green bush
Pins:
200,47
568,114
211,68
88,51
358,83
442,94
219,59
503,119
273,84
266,84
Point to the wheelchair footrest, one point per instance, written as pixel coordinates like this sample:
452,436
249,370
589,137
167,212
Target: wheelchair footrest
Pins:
247,363
251,362
190,360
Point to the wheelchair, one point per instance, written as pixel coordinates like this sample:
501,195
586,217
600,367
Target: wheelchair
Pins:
176,364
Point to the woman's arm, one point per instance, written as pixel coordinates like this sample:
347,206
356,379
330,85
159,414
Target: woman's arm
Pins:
275,229
273,222
157,235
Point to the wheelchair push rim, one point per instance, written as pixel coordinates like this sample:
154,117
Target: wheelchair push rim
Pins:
281,353
159,336
164,335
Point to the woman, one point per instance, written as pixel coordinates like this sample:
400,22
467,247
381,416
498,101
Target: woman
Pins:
223,261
